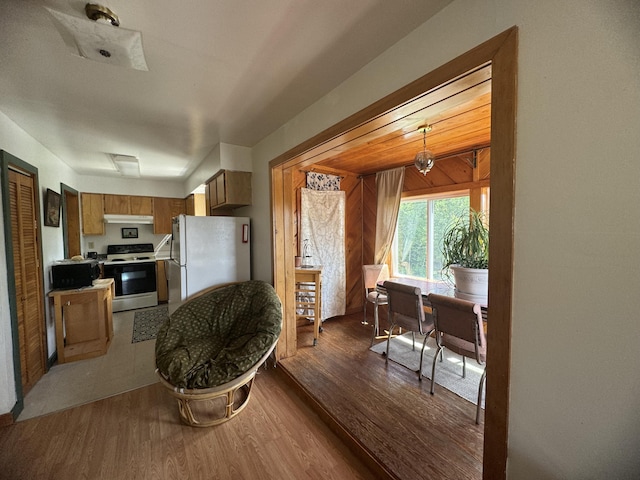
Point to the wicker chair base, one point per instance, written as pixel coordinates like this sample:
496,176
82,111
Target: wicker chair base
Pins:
189,397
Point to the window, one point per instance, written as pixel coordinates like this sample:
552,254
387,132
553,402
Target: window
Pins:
416,249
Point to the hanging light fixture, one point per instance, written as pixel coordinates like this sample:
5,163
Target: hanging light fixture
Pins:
99,37
424,159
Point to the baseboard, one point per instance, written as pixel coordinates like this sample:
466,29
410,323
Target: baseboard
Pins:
362,453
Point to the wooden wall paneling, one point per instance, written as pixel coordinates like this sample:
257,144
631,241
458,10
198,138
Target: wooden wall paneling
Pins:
483,157
369,210
353,242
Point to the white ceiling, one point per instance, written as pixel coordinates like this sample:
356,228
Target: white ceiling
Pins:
228,71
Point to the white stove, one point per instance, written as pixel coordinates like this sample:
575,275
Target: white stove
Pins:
136,252
133,268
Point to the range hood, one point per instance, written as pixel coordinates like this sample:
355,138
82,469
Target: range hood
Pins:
137,219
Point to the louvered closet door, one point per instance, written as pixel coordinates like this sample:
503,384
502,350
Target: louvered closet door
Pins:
29,299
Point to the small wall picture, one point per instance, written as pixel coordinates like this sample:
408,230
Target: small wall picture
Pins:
52,208
129,233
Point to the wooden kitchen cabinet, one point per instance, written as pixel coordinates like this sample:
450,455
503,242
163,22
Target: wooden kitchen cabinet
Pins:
92,213
228,189
128,205
164,209
195,204
116,204
140,205
84,320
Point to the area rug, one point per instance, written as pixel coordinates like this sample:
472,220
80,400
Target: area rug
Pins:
448,372
146,323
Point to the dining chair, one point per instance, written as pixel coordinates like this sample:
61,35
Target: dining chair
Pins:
406,310
371,275
459,328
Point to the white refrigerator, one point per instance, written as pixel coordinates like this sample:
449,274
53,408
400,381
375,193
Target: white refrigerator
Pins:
207,251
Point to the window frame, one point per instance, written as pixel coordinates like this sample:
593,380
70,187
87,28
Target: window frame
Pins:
430,197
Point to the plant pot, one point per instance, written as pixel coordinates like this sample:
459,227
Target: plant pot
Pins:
471,283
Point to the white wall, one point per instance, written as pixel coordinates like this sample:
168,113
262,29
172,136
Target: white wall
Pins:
51,172
575,365
575,362
222,156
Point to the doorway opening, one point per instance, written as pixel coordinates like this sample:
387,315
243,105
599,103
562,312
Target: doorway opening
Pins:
501,53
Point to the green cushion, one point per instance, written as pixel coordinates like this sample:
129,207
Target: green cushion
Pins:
214,338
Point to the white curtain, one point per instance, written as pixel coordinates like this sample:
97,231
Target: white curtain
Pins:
389,192
322,223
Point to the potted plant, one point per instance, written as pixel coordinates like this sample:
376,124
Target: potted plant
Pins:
465,248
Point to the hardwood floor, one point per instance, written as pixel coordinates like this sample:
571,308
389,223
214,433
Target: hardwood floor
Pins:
400,430
406,432
137,435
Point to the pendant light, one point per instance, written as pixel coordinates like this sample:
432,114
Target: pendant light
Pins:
424,159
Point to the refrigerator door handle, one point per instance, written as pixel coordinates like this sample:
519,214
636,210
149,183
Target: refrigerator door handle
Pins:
245,233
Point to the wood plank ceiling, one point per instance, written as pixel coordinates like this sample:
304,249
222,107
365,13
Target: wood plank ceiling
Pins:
458,111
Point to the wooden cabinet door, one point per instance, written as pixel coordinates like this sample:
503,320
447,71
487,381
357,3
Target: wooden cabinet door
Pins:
177,207
164,209
161,215
228,189
27,278
141,205
221,194
92,213
116,204
190,205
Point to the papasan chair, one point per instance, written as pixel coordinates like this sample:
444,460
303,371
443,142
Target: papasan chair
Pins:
209,350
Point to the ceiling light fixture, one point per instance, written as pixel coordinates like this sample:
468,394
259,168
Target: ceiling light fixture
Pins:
98,37
99,13
425,159
127,165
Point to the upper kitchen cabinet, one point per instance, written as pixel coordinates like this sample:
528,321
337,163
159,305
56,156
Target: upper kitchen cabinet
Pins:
228,189
195,204
141,205
92,213
128,205
164,209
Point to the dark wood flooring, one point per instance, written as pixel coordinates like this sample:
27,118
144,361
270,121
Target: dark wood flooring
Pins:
404,431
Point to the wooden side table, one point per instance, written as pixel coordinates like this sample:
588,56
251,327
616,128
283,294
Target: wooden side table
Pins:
309,296
84,320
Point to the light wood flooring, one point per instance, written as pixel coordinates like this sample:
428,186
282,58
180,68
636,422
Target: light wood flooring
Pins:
382,412
137,435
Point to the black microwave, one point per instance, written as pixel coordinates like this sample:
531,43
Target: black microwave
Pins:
74,274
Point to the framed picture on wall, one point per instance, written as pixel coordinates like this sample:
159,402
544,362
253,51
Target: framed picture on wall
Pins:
129,233
52,208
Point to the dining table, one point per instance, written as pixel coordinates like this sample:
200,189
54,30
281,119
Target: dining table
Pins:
427,287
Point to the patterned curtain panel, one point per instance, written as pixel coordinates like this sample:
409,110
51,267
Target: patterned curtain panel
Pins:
322,181
322,223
